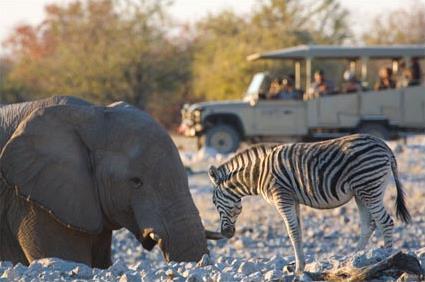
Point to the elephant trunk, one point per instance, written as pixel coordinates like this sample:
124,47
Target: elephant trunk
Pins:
177,230
186,241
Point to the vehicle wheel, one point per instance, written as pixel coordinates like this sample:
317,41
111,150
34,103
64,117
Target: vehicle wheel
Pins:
375,129
223,138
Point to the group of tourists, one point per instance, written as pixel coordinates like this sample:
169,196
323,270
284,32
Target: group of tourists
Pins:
284,89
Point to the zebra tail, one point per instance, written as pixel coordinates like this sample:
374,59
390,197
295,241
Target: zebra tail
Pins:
401,210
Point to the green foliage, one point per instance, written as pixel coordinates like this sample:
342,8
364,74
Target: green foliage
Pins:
221,70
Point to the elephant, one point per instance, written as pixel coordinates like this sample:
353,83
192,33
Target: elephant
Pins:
72,172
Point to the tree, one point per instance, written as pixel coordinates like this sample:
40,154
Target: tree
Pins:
221,70
102,50
402,26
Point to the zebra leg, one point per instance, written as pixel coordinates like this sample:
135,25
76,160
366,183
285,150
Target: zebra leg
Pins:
367,225
297,210
384,221
289,213
375,206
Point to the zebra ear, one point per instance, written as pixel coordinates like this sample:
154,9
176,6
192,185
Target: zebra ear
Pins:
214,175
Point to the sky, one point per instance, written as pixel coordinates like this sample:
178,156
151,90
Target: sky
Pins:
14,12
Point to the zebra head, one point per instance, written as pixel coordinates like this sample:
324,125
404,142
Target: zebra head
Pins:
228,205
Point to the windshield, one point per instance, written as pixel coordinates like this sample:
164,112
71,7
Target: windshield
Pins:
255,85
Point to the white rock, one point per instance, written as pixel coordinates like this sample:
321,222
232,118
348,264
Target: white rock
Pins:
130,277
247,268
204,261
224,277
15,273
190,265
81,271
255,277
273,275
304,278
197,275
118,268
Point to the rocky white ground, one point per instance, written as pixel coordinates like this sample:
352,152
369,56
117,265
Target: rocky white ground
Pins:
260,249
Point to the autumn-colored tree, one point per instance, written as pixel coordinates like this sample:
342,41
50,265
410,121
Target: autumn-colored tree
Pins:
102,50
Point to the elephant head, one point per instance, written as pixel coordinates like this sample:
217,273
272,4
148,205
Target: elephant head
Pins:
106,167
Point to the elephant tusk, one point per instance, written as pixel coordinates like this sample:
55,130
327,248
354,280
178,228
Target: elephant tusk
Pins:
211,235
154,237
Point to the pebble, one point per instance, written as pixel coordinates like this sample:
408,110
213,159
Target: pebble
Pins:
129,277
247,268
204,261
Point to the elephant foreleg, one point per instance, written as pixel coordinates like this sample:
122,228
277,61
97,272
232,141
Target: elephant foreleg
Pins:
41,236
9,247
101,250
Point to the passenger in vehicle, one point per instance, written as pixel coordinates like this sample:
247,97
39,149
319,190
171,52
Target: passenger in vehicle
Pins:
287,90
321,86
406,79
351,83
386,80
416,72
275,89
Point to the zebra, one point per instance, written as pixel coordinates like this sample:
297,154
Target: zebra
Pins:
322,175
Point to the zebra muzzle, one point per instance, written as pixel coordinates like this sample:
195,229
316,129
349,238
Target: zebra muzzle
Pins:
228,232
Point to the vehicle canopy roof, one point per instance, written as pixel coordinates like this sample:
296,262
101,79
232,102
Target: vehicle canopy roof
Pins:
342,52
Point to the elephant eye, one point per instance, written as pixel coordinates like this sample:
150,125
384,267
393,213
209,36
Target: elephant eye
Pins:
136,181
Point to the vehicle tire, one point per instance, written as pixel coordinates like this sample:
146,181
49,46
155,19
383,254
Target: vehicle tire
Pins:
375,129
223,138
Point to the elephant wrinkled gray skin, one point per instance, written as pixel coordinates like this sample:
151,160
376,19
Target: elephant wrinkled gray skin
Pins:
73,172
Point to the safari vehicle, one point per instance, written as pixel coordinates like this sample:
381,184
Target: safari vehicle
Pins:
389,113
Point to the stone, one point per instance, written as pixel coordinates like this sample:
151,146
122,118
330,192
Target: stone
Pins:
196,275
170,273
247,268
223,277
273,275
304,277
81,271
130,277
204,261
255,277
313,267
118,268
15,273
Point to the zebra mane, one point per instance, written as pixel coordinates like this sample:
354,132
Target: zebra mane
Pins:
229,168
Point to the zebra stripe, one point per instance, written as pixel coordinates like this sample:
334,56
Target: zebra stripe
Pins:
321,175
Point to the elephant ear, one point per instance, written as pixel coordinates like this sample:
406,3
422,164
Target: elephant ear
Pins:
48,160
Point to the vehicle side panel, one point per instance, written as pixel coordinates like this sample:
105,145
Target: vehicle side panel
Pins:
413,105
279,118
334,111
383,104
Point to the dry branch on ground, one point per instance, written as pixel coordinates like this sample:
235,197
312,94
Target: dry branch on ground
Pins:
397,263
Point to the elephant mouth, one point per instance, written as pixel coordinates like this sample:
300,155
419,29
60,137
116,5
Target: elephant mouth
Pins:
149,239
